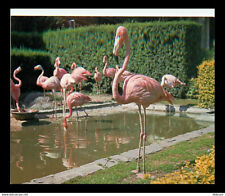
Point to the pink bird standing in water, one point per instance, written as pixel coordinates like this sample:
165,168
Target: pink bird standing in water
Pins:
98,78
75,99
58,72
79,71
108,72
15,88
137,88
51,83
66,82
171,81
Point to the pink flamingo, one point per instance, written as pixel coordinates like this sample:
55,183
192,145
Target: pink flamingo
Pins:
108,72
98,78
79,71
51,83
41,79
15,88
137,88
75,99
58,72
171,81
66,82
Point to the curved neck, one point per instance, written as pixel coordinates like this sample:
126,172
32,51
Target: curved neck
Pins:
14,76
39,77
121,99
106,65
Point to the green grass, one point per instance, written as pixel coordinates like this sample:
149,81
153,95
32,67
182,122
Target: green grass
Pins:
157,164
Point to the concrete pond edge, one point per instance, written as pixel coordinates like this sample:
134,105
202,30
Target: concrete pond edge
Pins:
108,162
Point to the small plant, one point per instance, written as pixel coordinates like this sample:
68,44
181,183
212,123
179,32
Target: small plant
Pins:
206,84
201,172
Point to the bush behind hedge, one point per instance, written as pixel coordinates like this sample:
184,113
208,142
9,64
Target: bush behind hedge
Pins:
157,48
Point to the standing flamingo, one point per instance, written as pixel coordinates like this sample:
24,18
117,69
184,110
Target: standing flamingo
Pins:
137,88
41,79
79,71
108,72
15,88
51,83
171,81
58,72
97,78
66,82
75,99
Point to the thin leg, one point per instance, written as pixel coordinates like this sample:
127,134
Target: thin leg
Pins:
84,111
141,138
54,109
64,104
144,139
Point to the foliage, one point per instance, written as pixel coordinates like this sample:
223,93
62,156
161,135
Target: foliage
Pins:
27,59
31,40
206,84
201,172
157,48
192,92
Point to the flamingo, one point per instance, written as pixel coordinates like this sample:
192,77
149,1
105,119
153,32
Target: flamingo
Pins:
171,81
97,78
75,99
108,72
79,71
51,83
15,88
137,88
41,79
58,72
66,82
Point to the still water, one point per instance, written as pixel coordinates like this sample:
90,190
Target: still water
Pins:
46,148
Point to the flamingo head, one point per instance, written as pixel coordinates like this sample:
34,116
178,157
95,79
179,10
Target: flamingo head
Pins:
18,69
73,66
104,59
121,36
38,67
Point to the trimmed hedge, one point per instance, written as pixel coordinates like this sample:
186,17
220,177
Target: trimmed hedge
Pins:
31,40
157,48
27,59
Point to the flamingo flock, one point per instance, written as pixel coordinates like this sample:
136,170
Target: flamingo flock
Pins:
137,88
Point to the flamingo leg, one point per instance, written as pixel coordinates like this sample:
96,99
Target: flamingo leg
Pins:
17,106
54,108
144,139
141,138
64,104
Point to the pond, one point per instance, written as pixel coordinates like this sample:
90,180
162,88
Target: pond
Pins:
46,148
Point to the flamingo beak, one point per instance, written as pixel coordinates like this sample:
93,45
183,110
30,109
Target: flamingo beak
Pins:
36,67
18,69
116,46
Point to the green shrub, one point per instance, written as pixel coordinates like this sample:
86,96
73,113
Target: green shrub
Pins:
206,84
157,48
31,40
27,59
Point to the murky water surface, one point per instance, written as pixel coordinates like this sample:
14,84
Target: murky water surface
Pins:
46,148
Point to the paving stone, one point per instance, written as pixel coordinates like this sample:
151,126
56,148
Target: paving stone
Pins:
153,148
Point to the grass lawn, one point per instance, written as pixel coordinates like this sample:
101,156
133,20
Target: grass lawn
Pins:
158,164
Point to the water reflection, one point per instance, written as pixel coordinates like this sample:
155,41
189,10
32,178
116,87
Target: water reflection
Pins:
44,149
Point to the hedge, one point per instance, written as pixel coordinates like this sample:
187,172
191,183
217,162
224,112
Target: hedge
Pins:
206,84
157,48
27,59
32,40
